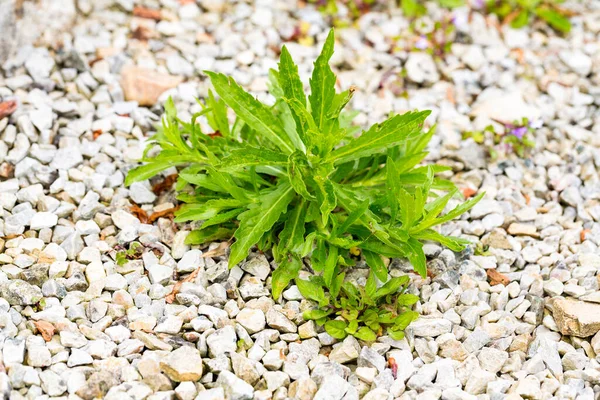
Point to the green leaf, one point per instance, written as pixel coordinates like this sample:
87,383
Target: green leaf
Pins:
407,299
211,234
316,313
371,285
554,18
520,20
404,320
336,328
154,167
286,271
291,237
252,156
451,242
391,287
326,197
258,220
297,168
258,116
365,334
417,257
311,290
217,118
395,335
322,83
376,264
331,266
381,136
352,327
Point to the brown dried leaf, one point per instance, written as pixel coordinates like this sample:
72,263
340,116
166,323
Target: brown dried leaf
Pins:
496,278
7,108
164,185
218,251
139,213
171,297
169,212
46,329
96,134
583,234
147,13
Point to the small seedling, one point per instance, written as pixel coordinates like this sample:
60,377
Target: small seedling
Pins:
134,252
364,312
520,13
516,138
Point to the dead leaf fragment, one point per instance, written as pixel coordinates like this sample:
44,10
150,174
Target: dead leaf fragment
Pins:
169,212
139,213
218,251
164,185
171,297
147,13
45,328
583,234
7,108
496,278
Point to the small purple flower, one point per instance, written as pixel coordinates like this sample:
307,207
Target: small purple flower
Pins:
422,43
537,124
519,131
478,3
460,20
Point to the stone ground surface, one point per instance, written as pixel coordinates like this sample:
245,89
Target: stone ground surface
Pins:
74,324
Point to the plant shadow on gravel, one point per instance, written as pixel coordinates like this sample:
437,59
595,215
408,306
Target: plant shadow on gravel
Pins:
293,178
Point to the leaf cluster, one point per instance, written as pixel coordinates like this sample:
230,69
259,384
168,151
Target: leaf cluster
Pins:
364,312
134,252
519,13
517,138
294,178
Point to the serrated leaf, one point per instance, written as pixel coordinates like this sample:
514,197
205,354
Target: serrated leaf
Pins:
297,168
322,83
258,220
251,156
381,136
289,79
336,328
258,116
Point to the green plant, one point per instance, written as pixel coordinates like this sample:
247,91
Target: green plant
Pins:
133,252
415,8
519,13
361,312
293,178
516,137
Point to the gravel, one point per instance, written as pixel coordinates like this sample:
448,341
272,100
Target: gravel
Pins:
513,316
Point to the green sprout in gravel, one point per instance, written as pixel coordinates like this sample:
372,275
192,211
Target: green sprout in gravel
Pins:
516,138
519,13
294,179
